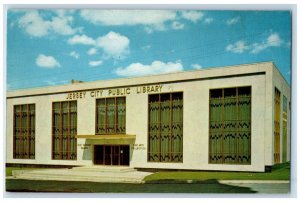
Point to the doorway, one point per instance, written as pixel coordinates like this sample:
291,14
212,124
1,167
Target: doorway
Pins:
111,155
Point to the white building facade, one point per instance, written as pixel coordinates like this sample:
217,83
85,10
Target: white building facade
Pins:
234,118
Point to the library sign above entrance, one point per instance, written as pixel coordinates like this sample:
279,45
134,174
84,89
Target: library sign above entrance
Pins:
114,92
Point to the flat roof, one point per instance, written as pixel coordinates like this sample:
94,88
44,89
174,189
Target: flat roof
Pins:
202,74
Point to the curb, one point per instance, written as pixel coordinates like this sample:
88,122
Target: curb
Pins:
254,181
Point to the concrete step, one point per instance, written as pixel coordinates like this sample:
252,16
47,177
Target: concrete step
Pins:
81,175
105,168
81,178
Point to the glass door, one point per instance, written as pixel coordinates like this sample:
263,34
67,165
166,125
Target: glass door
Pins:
117,155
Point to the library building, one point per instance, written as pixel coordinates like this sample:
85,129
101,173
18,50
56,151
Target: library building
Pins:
233,118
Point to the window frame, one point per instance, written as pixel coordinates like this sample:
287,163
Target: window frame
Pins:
148,124
28,130
61,126
277,121
209,129
115,116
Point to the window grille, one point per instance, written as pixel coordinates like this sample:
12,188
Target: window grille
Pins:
165,129
230,126
24,131
277,102
284,129
111,116
64,130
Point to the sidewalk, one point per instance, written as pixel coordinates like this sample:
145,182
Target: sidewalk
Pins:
261,186
254,181
86,173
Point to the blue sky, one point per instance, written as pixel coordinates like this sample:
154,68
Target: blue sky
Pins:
51,47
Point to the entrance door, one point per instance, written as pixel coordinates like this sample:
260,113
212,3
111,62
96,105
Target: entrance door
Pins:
124,155
111,155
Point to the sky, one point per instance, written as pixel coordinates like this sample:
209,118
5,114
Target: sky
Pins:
52,47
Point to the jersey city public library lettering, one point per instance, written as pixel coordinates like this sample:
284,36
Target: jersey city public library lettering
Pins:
234,118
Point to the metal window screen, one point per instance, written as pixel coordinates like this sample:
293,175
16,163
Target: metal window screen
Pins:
230,126
64,130
165,129
24,131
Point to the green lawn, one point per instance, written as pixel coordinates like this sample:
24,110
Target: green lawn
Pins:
279,172
161,182
210,186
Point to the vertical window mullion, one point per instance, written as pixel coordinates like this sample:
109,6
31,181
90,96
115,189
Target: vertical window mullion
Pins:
115,124
106,130
61,132
21,135
52,142
69,132
223,125
237,127
28,134
170,132
209,128
160,126
14,133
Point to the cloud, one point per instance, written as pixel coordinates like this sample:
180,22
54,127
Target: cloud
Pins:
208,20
196,66
148,30
74,54
63,12
233,21
92,51
157,67
55,81
273,40
61,25
46,61
193,16
152,20
147,47
95,63
34,25
237,47
177,25
114,44
127,17
81,39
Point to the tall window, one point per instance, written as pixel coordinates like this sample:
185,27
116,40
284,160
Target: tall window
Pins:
165,129
24,131
64,130
284,129
111,116
277,113
230,126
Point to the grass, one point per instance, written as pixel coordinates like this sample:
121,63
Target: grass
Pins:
213,186
161,182
279,172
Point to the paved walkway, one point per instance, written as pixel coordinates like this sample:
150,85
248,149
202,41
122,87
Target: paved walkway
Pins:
120,175
261,186
88,173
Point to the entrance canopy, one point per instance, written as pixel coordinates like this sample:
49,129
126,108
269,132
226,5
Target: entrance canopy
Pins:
107,137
